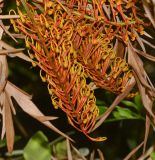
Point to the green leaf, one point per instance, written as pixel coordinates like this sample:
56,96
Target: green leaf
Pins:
101,106
152,155
2,143
37,148
116,115
130,104
102,109
61,150
124,113
138,102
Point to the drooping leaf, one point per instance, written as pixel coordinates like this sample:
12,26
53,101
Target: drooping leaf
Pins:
10,135
69,153
24,101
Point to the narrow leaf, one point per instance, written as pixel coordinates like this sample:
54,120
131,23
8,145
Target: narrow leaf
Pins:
100,154
69,153
125,113
9,124
24,101
148,12
4,72
146,154
18,54
92,155
129,103
118,99
133,151
2,98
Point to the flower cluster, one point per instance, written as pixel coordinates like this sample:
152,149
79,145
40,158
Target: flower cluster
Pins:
71,41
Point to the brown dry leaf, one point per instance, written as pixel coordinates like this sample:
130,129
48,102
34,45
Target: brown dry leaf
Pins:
147,153
137,66
9,16
146,89
100,154
3,72
3,76
2,82
149,57
146,99
19,54
8,124
139,40
147,35
6,31
3,115
78,153
69,153
148,43
10,51
119,49
118,99
46,118
147,102
92,155
106,10
24,101
12,106
133,151
147,130
148,12
1,33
